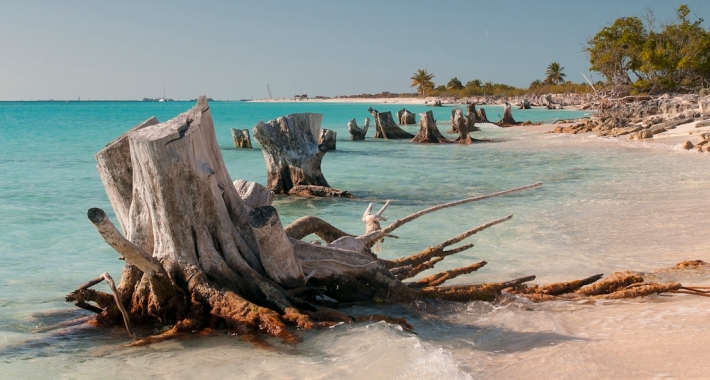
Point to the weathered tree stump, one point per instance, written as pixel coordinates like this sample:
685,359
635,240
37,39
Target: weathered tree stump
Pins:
386,128
357,133
327,138
472,117
405,117
482,118
241,138
292,153
507,119
428,131
461,126
526,104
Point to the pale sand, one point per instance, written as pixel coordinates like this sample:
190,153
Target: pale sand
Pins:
349,100
679,135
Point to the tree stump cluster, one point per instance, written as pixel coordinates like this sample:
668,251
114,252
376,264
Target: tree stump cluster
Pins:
202,251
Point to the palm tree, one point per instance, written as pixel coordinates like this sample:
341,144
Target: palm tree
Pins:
454,84
554,73
422,79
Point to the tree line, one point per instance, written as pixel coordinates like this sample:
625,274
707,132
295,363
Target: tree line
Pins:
631,55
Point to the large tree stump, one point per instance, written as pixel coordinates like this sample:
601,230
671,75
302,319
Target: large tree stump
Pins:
327,139
241,138
472,117
428,131
405,117
357,133
292,153
386,128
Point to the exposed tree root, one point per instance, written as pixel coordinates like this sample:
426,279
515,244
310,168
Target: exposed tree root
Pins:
467,293
409,271
619,285
440,278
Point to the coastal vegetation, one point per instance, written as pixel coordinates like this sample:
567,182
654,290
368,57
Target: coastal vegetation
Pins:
639,57
422,81
633,56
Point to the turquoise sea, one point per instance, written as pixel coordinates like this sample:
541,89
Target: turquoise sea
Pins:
606,205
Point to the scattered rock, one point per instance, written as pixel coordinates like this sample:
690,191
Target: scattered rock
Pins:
687,145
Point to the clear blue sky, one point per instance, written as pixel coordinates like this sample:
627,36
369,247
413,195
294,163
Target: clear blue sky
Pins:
230,49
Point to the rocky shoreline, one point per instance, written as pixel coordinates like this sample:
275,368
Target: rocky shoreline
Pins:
686,118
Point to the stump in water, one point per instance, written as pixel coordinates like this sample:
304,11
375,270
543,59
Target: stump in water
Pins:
526,104
482,118
507,119
472,117
357,133
241,138
292,153
405,117
327,138
460,125
386,128
428,131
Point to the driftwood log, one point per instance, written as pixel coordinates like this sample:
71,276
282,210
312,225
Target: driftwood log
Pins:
404,117
428,131
241,138
386,128
357,133
202,252
293,155
327,139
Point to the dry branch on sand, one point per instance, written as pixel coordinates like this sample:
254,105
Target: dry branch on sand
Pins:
202,252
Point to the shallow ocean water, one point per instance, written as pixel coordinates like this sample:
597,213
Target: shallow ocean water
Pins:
606,205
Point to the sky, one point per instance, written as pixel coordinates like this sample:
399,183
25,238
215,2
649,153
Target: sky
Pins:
230,50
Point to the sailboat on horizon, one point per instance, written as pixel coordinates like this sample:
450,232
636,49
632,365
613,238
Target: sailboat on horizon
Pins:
163,99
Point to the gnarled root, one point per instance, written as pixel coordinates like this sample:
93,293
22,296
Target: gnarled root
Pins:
440,278
467,293
304,226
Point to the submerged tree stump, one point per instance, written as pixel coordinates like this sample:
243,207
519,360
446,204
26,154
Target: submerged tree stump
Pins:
428,131
327,139
292,153
507,119
461,126
472,117
405,117
241,138
482,118
526,104
386,128
357,133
